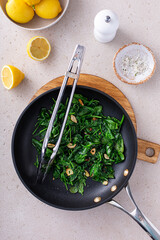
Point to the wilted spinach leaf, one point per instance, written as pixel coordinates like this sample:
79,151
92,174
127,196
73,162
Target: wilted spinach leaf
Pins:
90,146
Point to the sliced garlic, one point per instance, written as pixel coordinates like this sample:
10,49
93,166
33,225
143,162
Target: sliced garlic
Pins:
93,151
69,171
70,145
73,119
106,156
86,173
50,145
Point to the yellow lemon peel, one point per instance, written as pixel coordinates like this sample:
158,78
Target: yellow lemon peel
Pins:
38,48
19,11
11,76
32,2
48,9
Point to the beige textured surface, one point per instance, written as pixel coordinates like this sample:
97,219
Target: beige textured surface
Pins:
21,215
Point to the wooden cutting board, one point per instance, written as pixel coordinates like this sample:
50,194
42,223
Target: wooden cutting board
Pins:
107,87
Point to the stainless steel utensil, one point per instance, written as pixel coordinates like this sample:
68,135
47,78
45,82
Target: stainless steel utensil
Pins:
76,62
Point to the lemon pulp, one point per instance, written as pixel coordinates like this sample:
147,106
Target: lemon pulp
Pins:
38,48
11,76
7,78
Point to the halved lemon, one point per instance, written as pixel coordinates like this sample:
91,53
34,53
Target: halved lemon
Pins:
11,76
38,48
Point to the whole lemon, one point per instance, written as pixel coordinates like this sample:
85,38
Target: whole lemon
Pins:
32,2
19,11
48,9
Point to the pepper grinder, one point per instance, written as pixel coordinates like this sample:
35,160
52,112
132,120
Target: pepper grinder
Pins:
106,24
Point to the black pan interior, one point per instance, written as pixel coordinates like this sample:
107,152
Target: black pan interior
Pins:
54,192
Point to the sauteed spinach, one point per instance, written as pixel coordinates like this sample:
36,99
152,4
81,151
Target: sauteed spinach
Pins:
90,146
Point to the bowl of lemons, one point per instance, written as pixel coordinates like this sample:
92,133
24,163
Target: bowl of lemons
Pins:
34,14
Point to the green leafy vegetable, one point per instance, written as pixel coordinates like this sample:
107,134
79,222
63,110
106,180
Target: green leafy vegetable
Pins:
90,146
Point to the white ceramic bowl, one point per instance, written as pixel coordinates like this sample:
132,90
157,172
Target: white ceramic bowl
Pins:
134,63
38,23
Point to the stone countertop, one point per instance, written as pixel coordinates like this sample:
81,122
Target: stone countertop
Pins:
24,217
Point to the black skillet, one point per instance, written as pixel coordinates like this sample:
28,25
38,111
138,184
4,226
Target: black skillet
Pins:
54,193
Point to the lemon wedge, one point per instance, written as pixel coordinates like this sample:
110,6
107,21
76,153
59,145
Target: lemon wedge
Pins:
11,76
38,48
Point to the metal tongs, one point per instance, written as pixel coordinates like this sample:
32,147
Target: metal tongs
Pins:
76,61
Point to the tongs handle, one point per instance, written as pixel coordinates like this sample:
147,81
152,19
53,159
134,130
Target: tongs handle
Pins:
77,56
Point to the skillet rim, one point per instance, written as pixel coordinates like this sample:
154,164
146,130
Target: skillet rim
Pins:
73,208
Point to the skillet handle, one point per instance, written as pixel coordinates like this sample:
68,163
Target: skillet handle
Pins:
138,216
148,151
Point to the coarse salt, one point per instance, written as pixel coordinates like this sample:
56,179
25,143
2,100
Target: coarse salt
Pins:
134,65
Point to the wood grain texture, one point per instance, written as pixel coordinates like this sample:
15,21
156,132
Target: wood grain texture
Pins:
143,146
94,82
106,87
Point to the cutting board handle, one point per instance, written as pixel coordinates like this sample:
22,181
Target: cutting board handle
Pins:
148,151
